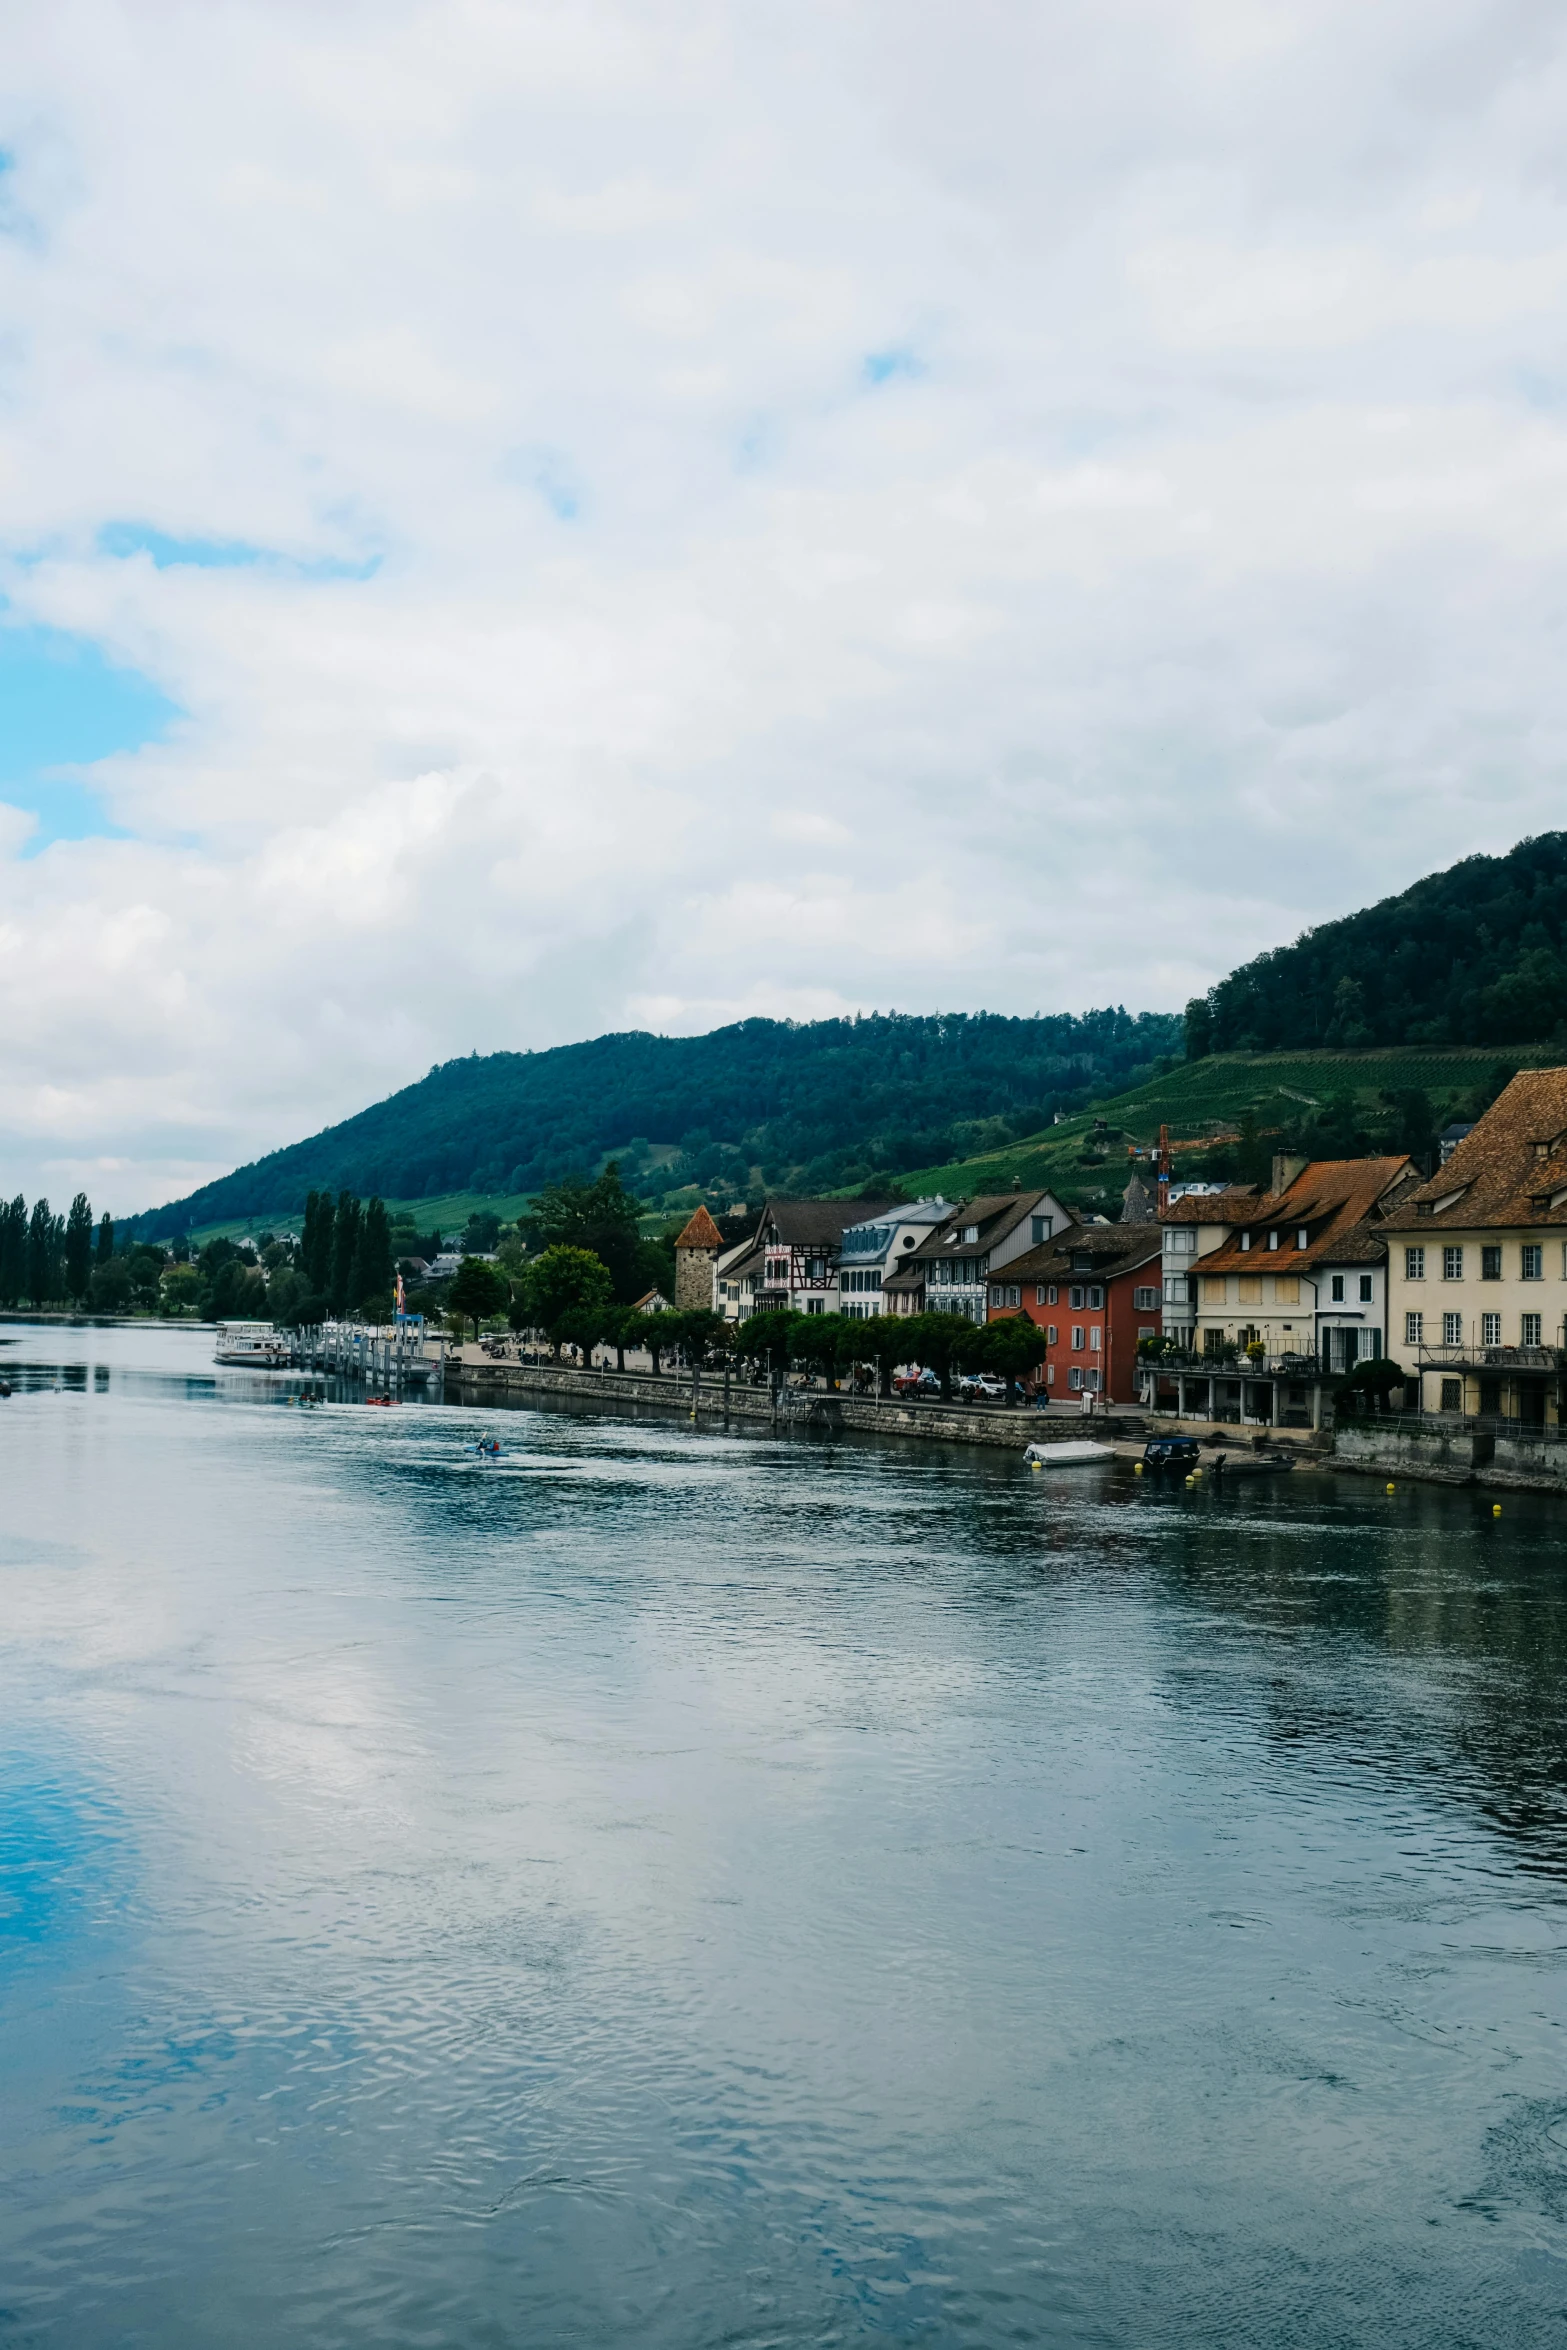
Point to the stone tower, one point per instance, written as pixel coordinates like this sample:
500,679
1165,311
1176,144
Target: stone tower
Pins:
696,1255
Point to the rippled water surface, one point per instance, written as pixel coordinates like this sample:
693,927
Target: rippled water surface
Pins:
672,1890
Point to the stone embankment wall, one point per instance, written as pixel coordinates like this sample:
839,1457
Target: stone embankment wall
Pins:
959,1423
1466,1456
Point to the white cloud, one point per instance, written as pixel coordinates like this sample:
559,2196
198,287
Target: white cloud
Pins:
888,506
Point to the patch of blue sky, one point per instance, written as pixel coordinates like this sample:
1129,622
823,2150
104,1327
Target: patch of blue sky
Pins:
63,706
881,367
140,538
550,474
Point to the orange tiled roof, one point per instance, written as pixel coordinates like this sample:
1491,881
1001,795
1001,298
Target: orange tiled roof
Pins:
701,1232
1331,1199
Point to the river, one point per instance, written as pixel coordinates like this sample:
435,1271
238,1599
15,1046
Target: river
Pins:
664,1889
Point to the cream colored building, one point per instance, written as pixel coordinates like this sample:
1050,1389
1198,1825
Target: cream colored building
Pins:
1477,1264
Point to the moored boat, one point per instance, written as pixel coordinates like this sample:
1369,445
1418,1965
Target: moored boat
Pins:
253,1346
1070,1453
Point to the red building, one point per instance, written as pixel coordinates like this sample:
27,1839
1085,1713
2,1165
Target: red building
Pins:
1094,1292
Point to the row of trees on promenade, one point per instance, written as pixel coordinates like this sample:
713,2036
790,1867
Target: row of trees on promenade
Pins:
565,1295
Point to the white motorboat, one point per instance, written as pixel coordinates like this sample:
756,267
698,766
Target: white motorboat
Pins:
251,1346
1070,1453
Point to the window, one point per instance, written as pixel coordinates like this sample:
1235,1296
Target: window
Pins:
1303,1238
1491,1264
1096,1339
1014,1294
1365,1289
1093,1379
815,1305
1414,1264
1529,1330
1077,1298
970,1233
1490,1329
1452,1264
1452,1329
1175,1291
998,1296
1149,1332
1213,1289
1077,1338
1286,1289
1248,1289
1533,1265
1041,1228
1273,1240
1452,1395
1051,1334
1180,1243
1074,1378
1245,1240
1338,1289
1096,1298
1414,1329
1144,1301
1050,1374
1054,1298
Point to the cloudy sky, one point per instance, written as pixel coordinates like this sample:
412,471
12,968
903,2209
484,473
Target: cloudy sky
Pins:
518,520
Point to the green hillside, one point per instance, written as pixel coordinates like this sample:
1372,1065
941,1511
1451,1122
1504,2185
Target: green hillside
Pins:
1337,1104
785,1105
1475,955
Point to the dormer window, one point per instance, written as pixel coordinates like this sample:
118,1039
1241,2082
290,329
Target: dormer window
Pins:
1245,1240
970,1233
1303,1238
1273,1240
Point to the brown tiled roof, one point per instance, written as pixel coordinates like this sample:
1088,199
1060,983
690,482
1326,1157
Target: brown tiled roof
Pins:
701,1232
1330,1198
1111,1249
1233,1206
995,1213
819,1223
1510,1169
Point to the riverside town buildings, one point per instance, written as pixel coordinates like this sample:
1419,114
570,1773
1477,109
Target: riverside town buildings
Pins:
1477,1272
952,1271
1268,1296
1095,1292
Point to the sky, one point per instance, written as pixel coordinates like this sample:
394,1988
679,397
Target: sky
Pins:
522,520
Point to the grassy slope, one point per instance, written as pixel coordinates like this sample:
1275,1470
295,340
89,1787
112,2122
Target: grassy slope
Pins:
1190,1098
1202,1094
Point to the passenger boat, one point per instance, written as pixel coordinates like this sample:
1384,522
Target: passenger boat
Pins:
1070,1453
252,1346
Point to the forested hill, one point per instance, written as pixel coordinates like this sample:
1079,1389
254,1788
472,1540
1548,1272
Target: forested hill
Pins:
1473,956
805,1106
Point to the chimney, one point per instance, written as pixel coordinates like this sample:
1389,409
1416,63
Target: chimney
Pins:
1286,1166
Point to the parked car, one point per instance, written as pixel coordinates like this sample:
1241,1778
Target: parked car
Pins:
919,1384
985,1387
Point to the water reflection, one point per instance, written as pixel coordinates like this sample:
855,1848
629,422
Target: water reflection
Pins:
656,1887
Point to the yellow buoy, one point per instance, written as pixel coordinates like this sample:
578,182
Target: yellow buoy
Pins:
1137,1468
1036,1466
1496,1509
1191,1480
1391,1488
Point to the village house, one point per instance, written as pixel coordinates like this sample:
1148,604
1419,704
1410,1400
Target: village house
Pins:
1477,1273
1096,1293
951,1272
1269,1295
790,1265
877,1249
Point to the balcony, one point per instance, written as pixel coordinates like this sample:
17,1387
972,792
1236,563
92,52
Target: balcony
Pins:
1500,1361
1238,1366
